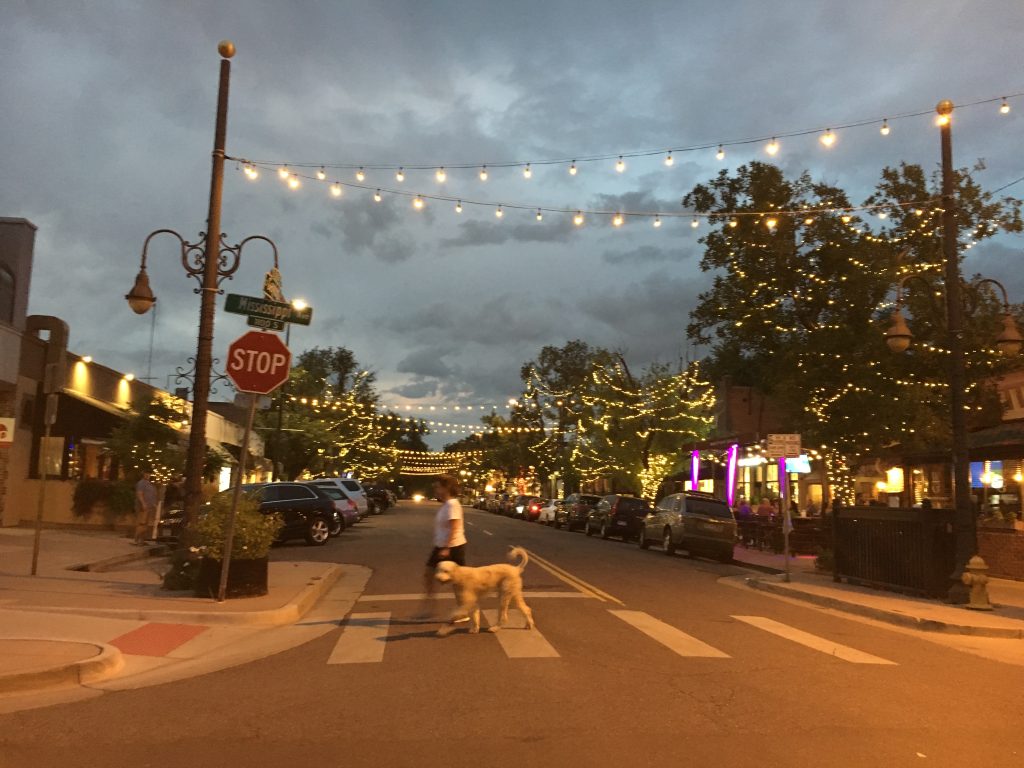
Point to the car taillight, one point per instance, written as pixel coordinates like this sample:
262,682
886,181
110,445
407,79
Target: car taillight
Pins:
534,508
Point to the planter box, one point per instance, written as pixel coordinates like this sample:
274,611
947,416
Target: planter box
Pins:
246,578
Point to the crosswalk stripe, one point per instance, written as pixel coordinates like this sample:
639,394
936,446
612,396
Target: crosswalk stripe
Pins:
363,639
822,644
517,641
674,639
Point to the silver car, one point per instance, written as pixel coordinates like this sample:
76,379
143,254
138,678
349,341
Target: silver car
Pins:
696,522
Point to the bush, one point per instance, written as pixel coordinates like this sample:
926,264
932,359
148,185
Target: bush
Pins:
118,496
254,531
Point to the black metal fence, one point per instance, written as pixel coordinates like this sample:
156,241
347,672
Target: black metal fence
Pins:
907,550
809,535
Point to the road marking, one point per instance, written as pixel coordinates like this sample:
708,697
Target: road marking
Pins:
843,652
517,641
486,531
398,598
362,640
572,581
674,639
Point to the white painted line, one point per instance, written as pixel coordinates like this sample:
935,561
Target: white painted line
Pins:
843,652
413,596
674,639
362,640
486,531
517,641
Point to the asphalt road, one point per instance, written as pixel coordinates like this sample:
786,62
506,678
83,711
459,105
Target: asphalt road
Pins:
639,658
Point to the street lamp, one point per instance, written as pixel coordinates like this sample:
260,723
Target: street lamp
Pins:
210,260
898,338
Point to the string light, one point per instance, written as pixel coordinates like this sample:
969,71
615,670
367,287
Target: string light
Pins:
669,161
322,173
720,154
828,138
458,207
578,219
360,175
400,176
1004,108
336,189
483,173
441,176
620,166
377,196
251,172
695,223
527,172
884,130
772,147
733,223
283,172
498,212
657,221
771,222
540,216
293,181
417,203
572,168
617,220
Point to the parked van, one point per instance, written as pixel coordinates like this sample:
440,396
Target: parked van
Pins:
696,522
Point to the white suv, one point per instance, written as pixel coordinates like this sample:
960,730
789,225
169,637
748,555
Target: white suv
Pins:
351,488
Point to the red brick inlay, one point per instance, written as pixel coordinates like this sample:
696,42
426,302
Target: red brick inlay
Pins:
156,639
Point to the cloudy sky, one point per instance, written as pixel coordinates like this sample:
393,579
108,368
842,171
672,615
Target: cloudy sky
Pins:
108,112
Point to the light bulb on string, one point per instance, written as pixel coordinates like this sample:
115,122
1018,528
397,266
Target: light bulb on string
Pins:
283,172
293,181
884,130
251,172
733,223
1004,108
498,212
883,215
360,175
400,176
771,222
441,176
572,169
657,222
772,148
720,154
377,197
322,173
695,223
540,215
669,160
336,189
578,219
846,218
808,221
527,172
620,166
828,138
617,220
458,207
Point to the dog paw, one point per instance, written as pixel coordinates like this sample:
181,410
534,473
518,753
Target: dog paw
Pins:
445,631
495,628
474,630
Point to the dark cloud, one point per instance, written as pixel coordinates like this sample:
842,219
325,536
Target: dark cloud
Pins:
645,254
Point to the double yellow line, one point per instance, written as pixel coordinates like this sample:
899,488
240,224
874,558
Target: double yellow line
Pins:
572,581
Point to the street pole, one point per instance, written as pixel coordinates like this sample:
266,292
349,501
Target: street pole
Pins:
966,532
278,453
196,457
787,522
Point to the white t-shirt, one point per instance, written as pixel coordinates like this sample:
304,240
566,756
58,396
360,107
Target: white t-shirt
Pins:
450,510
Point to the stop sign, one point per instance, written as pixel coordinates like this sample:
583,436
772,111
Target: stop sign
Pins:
258,362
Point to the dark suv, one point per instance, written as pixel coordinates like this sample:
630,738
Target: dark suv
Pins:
617,515
306,511
573,513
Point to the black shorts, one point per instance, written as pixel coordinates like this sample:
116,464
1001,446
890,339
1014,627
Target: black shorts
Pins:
455,554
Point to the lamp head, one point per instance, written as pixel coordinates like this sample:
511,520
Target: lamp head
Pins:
1009,341
141,297
898,337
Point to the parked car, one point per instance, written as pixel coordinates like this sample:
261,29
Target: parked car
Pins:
378,499
548,511
518,506
617,515
531,510
306,511
346,507
493,504
574,511
351,488
696,522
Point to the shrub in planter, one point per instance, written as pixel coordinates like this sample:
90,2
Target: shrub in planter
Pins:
117,496
254,533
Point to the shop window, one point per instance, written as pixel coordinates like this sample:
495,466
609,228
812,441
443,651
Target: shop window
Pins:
7,285
51,456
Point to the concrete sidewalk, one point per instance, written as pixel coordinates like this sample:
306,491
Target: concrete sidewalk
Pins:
70,627
808,584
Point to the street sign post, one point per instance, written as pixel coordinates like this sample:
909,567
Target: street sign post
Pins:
258,363
254,306
782,447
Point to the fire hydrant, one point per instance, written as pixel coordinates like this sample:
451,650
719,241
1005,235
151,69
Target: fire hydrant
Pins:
975,578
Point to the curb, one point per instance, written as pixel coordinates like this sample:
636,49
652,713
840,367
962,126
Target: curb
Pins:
880,614
289,613
107,662
99,566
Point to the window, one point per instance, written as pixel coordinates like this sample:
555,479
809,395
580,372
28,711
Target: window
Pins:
292,492
6,294
351,485
708,508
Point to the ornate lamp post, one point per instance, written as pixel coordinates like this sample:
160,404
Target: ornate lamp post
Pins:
210,260
1009,341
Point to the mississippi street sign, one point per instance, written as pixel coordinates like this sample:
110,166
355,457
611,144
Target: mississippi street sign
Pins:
254,306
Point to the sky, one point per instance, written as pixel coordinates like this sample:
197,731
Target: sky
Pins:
108,126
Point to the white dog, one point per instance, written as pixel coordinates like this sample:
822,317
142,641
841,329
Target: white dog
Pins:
471,584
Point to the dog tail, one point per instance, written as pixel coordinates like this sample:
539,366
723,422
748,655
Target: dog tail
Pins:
514,552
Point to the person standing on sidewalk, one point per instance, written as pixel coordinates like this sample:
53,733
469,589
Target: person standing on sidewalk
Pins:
449,536
145,506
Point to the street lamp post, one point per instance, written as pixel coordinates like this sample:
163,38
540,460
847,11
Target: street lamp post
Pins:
898,338
210,260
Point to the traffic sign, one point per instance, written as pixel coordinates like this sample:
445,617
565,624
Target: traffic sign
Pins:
254,306
265,324
784,446
258,362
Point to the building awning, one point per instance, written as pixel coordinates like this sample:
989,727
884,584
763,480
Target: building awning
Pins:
84,416
1003,441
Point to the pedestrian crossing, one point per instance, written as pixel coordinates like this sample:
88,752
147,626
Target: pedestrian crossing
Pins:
364,638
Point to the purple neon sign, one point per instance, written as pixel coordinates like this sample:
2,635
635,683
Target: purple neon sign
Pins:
730,477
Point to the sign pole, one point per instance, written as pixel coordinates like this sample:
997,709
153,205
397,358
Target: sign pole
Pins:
229,538
787,522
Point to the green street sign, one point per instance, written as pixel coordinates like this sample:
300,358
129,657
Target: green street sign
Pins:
265,324
254,306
